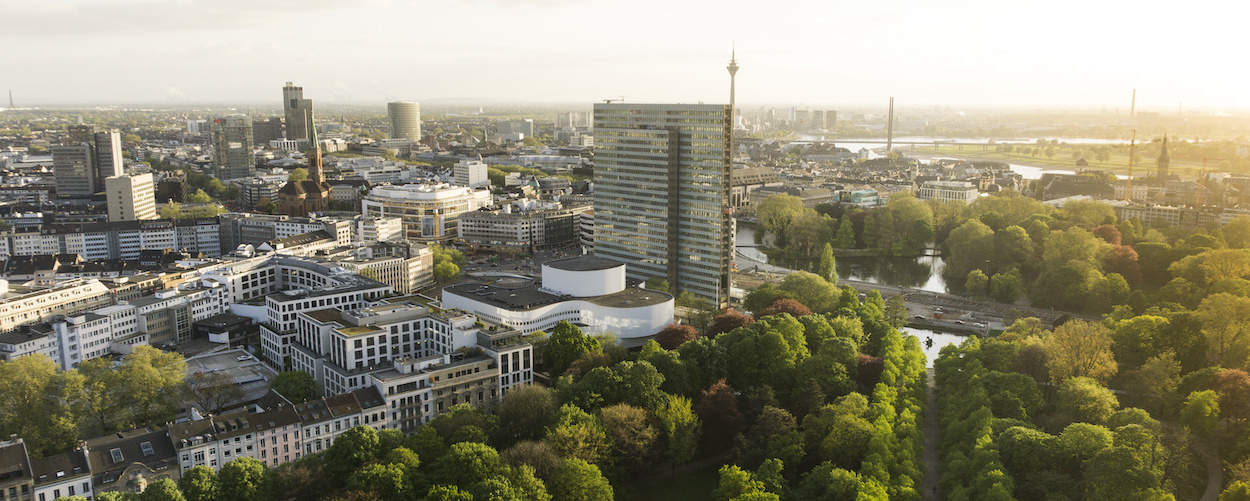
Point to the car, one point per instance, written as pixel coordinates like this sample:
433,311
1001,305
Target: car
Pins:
919,317
979,324
960,322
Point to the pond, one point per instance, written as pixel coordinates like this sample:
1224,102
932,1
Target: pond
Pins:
924,272
940,340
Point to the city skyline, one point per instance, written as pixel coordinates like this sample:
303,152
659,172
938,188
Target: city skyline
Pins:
802,52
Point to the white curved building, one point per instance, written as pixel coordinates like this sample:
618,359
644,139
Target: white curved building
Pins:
588,291
428,211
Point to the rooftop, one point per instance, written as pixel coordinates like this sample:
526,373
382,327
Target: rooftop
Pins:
586,262
519,294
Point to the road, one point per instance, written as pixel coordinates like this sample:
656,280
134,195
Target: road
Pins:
932,440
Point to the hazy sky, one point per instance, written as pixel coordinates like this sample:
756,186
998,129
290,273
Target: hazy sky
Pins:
1060,52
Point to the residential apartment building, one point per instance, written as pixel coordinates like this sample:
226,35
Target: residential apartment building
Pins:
124,240
662,182
520,232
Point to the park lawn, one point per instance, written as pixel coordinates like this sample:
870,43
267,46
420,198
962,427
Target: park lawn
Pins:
692,486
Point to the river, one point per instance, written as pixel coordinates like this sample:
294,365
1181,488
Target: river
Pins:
940,340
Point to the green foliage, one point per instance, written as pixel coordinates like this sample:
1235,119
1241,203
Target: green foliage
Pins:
241,479
567,343
198,484
296,386
352,448
680,427
1081,399
577,480
579,435
162,489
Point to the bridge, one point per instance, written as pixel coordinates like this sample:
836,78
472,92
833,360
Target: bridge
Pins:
935,144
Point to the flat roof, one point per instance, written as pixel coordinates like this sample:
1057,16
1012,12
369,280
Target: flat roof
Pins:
586,262
517,294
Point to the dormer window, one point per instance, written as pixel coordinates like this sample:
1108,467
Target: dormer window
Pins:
116,455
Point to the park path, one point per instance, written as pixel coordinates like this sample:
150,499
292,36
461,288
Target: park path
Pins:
929,486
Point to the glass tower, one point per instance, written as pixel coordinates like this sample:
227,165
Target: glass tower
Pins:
662,192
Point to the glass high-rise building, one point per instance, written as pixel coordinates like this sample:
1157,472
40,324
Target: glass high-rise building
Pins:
232,147
298,112
662,193
405,120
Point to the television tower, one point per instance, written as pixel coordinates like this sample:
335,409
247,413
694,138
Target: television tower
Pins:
889,129
733,119
11,99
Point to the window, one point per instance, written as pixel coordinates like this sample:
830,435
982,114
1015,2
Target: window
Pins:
147,449
116,455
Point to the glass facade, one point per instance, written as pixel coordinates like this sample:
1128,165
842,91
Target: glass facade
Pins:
661,193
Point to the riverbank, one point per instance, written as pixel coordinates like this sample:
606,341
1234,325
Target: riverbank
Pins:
1062,160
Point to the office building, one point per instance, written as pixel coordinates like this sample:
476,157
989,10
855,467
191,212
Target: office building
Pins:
123,240
405,120
267,130
108,156
519,232
298,112
947,191
130,198
662,179
471,173
72,166
429,211
232,147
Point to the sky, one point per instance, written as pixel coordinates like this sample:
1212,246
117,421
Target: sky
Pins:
1060,53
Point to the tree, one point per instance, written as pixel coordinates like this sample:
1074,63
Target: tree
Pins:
827,269
385,480
774,435
241,479
762,296
776,214
297,174
718,411
447,493
1225,329
658,284
736,484
567,343
525,412
676,335
577,434
785,305
170,210
845,236
726,321
896,311
296,386
577,480
540,456
37,404
212,391
1081,399
1237,491
1080,349
969,246
1006,287
446,272
199,197
198,484
1087,213
467,463
351,449
162,489
977,284
1201,413
815,292
680,428
630,433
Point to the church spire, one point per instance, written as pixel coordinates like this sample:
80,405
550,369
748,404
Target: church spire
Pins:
314,154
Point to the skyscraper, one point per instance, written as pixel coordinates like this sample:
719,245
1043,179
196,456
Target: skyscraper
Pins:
232,147
661,192
108,156
299,112
87,157
265,131
405,120
72,166
130,198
